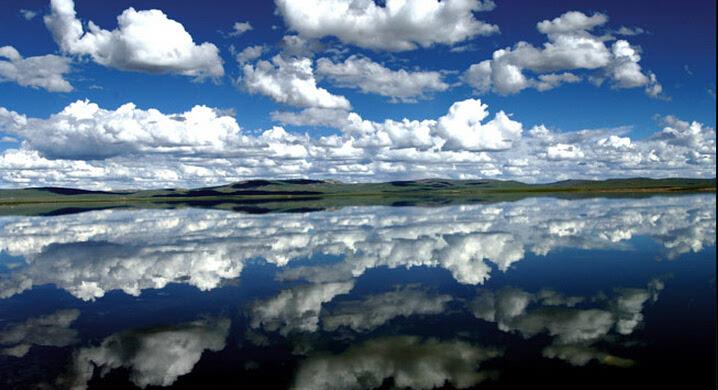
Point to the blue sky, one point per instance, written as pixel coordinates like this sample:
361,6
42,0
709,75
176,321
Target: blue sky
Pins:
672,42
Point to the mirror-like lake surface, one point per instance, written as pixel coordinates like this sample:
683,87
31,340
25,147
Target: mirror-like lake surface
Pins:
538,292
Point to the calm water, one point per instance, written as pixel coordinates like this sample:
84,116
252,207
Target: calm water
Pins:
538,292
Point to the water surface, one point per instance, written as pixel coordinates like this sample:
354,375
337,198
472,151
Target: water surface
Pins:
538,292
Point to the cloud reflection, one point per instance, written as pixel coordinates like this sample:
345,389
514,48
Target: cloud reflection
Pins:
574,330
52,330
91,253
410,361
154,357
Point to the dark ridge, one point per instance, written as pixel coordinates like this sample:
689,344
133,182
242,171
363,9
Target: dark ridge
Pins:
403,183
304,209
435,183
495,182
259,192
570,182
440,183
74,191
404,203
208,193
210,203
302,181
78,210
251,184
194,193
251,210
74,210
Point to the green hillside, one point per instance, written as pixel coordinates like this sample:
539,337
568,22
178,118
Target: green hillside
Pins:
303,194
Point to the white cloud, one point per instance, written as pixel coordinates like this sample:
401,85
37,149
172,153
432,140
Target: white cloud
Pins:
239,28
85,145
47,72
28,14
296,46
625,71
571,22
564,152
553,80
290,81
397,26
463,130
571,45
628,31
250,53
371,77
329,117
144,41
83,130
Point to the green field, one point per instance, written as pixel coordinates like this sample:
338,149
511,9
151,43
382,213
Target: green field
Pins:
306,195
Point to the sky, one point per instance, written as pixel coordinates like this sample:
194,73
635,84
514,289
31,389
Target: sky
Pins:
149,94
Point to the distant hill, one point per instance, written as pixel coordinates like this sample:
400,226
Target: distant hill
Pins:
300,194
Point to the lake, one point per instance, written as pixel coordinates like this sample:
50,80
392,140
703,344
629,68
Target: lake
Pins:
542,291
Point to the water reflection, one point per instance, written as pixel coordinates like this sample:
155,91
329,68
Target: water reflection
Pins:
156,356
51,330
363,297
573,330
91,253
410,361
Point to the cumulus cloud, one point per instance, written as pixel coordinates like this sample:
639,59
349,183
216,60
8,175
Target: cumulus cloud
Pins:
462,128
28,14
85,145
290,81
571,46
52,330
371,77
564,152
397,26
250,53
611,153
409,361
328,117
144,41
553,80
239,28
628,31
83,130
46,72
153,357
296,46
